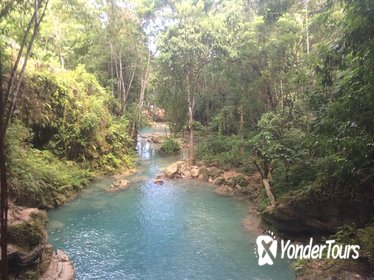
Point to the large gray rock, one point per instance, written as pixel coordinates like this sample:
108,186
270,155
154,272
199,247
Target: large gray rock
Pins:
173,169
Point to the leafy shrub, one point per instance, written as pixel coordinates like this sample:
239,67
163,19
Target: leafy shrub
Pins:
72,116
365,237
263,201
39,178
225,150
198,126
170,146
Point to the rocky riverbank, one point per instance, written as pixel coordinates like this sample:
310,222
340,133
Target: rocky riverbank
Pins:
30,255
300,216
227,182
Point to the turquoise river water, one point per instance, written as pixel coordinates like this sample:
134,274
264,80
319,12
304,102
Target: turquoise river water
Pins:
177,231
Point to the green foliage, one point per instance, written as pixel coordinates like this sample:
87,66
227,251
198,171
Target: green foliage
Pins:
39,178
78,123
225,150
263,201
225,121
71,134
365,237
197,126
170,145
345,234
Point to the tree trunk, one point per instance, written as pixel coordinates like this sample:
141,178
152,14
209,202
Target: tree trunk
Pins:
241,121
143,84
122,88
8,100
266,183
111,68
190,101
266,178
3,186
307,27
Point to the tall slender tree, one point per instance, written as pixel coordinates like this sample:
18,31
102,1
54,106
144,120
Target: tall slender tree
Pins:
9,91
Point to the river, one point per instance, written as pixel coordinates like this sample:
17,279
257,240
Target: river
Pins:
176,231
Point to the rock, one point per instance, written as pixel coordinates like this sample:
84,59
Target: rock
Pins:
156,139
158,181
230,182
28,251
202,170
203,176
186,174
159,176
119,185
184,167
219,181
173,169
194,171
210,180
214,171
203,173
29,232
60,268
240,180
20,258
296,214
224,190
238,187
178,176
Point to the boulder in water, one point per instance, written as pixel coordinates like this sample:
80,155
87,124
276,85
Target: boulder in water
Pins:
158,181
119,185
225,190
173,169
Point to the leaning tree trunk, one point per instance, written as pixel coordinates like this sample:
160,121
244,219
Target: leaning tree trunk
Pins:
266,183
266,179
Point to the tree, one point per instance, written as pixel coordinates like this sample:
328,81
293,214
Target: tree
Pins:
8,96
187,47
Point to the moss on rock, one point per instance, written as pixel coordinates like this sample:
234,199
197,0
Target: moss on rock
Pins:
29,233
